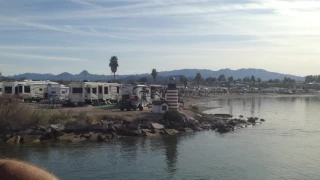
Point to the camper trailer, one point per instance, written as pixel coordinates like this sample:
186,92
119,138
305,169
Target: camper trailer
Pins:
115,92
10,88
94,92
33,90
145,93
57,92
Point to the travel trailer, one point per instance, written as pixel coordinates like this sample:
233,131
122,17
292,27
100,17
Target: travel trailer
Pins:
145,93
58,92
33,90
94,92
115,92
10,88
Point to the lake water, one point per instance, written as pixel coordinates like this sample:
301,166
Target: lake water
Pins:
286,146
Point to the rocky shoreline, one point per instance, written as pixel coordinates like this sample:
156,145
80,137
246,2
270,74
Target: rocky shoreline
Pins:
112,128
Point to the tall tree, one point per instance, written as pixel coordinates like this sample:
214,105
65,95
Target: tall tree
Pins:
246,79
222,78
253,79
198,78
185,82
114,66
154,74
259,80
230,79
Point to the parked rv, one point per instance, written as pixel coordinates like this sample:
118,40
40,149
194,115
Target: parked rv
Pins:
145,93
94,92
10,88
58,92
34,90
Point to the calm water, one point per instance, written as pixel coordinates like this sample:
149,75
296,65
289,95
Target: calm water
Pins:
286,146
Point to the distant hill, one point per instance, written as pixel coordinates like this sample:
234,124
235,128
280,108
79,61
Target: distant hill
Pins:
164,75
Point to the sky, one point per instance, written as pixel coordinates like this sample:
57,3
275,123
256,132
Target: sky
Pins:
55,36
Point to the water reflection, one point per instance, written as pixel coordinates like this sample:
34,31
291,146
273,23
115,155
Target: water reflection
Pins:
171,153
244,102
129,148
230,104
252,106
259,105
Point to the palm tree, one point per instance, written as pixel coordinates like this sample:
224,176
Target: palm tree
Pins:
114,66
154,74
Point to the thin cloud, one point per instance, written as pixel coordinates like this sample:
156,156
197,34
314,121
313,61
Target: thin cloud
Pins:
69,29
40,57
86,3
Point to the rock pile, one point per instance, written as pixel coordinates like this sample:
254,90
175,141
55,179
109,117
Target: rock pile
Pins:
111,128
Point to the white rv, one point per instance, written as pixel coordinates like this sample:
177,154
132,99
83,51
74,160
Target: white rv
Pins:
58,92
10,88
93,92
115,92
145,93
33,90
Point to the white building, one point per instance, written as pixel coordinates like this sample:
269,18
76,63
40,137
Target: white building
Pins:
160,106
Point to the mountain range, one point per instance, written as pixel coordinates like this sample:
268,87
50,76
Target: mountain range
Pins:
164,75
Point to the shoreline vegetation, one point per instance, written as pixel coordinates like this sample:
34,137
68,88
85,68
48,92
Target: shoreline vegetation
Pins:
22,123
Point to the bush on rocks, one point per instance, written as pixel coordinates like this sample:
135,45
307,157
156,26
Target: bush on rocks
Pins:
173,117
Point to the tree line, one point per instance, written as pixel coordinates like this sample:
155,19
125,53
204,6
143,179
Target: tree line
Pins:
312,78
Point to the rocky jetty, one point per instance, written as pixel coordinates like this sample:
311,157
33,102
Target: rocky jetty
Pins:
111,128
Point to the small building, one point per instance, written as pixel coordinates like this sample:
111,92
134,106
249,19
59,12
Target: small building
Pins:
160,106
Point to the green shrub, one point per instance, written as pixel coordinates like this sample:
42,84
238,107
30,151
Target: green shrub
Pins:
173,116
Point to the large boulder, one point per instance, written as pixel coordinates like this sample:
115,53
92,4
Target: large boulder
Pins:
66,138
30,139
13,140
133,126
252,120
188,130
170,131
157,126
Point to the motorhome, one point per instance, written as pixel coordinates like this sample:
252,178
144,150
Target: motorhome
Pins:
58,92
94,92
33,90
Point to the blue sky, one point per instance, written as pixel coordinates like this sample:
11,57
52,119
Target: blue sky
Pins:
55,36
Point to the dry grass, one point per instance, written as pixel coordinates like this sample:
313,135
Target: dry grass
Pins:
13,114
